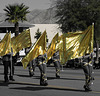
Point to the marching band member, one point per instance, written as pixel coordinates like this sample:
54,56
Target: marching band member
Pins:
87,65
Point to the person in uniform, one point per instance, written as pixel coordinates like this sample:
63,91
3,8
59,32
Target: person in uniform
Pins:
87,65
56,61
30,65
41,63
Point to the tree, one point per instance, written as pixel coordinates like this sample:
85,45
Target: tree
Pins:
73,15
16,13
38,34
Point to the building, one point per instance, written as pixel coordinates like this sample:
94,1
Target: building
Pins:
9,27
6,26
51,29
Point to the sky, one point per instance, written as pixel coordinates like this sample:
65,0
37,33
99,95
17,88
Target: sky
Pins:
32,4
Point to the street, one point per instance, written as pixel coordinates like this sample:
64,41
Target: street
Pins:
70,84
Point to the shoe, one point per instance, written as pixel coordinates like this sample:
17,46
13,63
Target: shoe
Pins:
87,89
44,83
6,81
57,76
31,74
11,78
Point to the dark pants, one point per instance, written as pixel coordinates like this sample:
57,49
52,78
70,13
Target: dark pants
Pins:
57,67
42,67
88,75
43,77
31,71
7,65
32,66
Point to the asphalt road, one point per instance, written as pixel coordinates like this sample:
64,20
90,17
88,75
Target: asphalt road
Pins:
70,84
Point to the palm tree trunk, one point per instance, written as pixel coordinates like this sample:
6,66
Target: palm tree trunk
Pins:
16,33
16,29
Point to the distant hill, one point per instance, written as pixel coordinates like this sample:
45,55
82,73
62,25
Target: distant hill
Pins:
2,17
42,16
38,16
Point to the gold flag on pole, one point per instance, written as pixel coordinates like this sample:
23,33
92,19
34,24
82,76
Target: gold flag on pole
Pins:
38,49
5,44
74,45
23,40
53,47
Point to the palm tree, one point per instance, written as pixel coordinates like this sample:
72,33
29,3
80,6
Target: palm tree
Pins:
37,34
16,13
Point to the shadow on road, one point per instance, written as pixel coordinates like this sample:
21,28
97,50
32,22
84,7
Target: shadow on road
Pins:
50,78
2,83
72,79
23,75
35,88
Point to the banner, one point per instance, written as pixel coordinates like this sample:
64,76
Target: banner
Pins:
53,47
77,44
5,44
23,40
38,49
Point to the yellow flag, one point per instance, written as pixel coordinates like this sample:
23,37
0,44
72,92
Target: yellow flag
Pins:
5,44
38,49
74,45
53,47
21,41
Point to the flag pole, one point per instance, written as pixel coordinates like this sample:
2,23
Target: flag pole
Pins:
11,63
11,60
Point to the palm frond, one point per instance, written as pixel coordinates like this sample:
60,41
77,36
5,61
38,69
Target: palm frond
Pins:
16,12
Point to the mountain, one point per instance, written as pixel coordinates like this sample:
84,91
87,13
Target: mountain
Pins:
2,17
42,16
38,16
